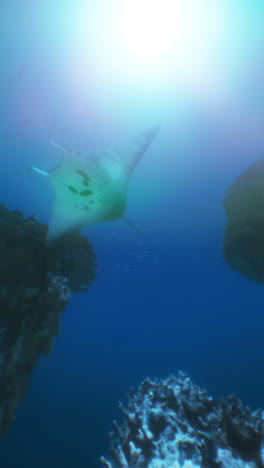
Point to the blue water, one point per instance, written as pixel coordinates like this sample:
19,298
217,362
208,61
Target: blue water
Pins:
164,300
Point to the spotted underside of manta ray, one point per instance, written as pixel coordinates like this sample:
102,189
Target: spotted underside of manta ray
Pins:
90,189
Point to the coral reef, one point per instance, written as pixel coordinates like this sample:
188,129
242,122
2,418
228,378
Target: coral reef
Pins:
174,424
244,233
36,283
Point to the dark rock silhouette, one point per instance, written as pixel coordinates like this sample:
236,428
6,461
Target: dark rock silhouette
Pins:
244,233
36,283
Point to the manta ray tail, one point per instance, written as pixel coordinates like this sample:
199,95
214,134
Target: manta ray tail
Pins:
92,188
131,224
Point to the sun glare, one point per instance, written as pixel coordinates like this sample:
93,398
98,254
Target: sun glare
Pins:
156,40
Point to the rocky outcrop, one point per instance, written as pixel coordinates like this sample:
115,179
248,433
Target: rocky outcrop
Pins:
173,423
36,283
244,233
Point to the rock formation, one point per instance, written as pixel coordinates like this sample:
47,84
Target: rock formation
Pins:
173,423
36,283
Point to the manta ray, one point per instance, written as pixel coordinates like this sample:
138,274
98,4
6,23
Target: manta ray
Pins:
92,188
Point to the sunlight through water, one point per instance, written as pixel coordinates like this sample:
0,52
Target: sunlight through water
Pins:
151,43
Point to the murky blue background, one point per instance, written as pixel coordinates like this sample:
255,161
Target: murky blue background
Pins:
162,300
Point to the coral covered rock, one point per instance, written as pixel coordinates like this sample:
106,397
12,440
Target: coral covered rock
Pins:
244,234
36,283
174,424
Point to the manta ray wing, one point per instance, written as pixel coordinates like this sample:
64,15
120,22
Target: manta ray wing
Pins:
93,188
85,193
128,153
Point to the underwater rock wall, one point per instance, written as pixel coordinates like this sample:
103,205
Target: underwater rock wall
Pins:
174,424
244,233
36,283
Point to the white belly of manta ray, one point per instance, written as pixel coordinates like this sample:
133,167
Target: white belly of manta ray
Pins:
90,189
